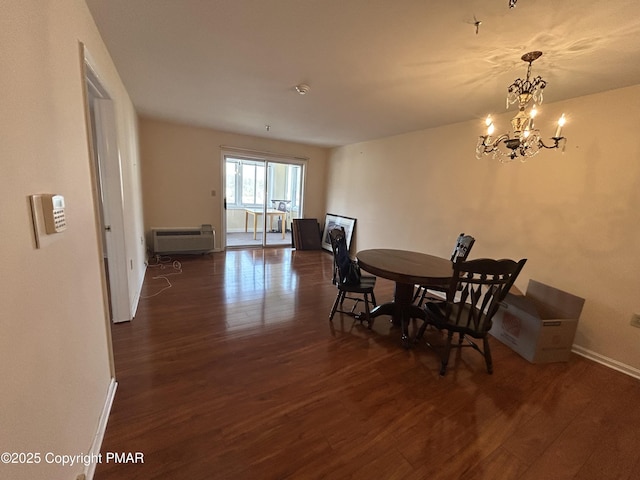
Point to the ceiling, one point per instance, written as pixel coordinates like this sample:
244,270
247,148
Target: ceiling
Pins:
375,68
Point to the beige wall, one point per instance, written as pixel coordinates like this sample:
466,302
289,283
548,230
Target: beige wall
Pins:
181,165
54,358
575,216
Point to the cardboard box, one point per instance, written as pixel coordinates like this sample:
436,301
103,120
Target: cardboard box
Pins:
540,325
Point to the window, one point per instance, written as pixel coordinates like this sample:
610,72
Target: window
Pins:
245,185
244,182
254,185
294,180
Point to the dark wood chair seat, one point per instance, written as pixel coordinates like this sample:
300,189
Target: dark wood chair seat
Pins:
472,299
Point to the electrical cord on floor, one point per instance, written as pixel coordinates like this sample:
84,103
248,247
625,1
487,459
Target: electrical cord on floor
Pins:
163,263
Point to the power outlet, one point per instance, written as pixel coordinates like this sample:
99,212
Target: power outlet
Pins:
635,320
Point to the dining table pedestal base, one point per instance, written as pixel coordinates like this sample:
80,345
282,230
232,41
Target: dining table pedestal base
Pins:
401,310
406,269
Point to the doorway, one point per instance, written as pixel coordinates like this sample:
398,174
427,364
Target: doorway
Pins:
108,187
262,197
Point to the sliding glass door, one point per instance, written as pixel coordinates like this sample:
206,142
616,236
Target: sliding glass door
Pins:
262,197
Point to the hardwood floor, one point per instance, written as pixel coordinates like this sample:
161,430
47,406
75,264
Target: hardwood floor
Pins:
235,372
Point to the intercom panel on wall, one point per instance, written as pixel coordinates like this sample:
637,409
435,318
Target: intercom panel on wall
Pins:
48,215
53,213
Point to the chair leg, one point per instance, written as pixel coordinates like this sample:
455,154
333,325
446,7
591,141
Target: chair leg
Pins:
422,297
416,295
367,311
343,295
445,356
421,330
487,355
335,304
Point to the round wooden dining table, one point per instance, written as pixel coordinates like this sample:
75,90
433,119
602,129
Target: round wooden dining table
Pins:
406,269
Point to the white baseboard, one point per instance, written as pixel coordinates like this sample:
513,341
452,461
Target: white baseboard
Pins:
606,361
96,446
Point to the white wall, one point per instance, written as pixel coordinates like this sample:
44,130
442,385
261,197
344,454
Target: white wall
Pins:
181,165
575,216
54,352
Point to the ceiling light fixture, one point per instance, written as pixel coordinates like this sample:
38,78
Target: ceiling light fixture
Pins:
512,3
525,141
477,24
302,89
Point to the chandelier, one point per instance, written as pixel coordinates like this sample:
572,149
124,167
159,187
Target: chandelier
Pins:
525,140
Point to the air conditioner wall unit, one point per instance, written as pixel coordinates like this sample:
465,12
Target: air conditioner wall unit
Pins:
183,240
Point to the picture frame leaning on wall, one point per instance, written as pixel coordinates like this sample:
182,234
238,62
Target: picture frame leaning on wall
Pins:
331,221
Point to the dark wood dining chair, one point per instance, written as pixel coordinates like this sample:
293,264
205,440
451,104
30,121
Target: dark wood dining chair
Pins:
460,251
472,299
356,290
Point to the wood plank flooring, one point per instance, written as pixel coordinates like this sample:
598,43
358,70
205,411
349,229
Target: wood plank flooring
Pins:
235,372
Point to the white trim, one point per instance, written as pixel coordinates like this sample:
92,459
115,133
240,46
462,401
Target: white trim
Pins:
90,469
247,152
92,75
136,297
110,173
606,361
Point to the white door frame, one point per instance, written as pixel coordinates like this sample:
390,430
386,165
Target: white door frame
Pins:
266,157
108,188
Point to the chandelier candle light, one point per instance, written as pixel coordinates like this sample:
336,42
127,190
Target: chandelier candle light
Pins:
525,141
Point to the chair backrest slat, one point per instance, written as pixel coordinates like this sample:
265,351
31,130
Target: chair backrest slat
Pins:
462,247
476,290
